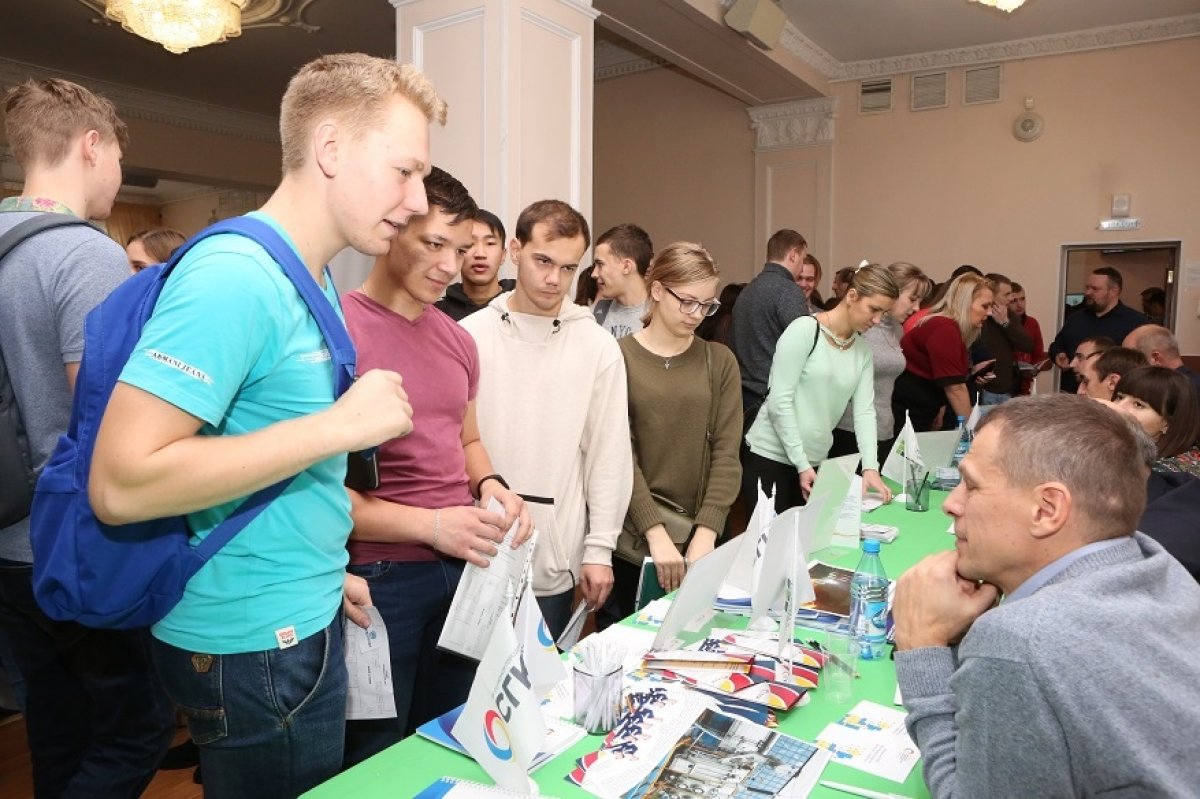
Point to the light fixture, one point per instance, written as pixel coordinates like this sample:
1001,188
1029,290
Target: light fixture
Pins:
1004,5
179,25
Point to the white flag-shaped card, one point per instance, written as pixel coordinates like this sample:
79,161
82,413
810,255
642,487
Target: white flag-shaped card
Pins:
546,668
973,419
501,725
904,449
760,527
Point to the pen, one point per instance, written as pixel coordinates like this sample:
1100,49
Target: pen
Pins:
855,791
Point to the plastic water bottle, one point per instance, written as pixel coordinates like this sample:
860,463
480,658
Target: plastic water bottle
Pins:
868,603
964,440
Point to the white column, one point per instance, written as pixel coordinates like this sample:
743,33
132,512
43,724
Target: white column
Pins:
517,75
793,165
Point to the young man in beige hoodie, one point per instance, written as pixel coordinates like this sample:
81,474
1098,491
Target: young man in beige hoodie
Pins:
553,412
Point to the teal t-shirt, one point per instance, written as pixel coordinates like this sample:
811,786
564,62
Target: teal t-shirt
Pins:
232,343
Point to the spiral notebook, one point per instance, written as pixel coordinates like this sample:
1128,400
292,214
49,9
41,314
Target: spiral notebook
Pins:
462,789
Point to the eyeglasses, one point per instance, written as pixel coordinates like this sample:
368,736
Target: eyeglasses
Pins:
689,306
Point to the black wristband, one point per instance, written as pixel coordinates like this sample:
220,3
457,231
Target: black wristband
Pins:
484,479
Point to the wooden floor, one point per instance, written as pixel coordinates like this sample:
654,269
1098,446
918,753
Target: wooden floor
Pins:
16,780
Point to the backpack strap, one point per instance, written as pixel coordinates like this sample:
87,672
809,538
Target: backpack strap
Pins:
31,227
15,235
337,338
600,310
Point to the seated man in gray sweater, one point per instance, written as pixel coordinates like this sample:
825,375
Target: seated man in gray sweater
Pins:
1083,680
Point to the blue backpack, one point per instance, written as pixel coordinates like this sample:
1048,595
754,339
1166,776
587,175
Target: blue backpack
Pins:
131,575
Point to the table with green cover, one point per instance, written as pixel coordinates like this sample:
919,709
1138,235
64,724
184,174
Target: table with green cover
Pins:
408,767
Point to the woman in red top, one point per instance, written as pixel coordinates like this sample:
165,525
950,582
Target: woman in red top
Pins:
937,362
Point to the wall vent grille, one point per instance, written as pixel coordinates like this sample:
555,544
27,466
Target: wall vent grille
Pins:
928,91
875,96
981,85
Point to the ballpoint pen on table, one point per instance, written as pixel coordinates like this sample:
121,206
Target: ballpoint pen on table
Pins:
856,791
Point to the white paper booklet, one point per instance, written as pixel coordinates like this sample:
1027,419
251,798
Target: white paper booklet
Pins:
483,594
369,668
872,738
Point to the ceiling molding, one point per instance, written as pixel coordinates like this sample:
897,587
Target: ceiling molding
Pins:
612,60
609,71
582,6
1157,30
802,123
808,51
156,107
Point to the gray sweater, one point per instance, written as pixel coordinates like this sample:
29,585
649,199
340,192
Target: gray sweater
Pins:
1090,686
888,362
769,303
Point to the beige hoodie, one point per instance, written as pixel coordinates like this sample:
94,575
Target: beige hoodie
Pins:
554,416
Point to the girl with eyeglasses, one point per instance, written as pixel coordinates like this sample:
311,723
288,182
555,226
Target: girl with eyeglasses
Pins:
820,365
685,418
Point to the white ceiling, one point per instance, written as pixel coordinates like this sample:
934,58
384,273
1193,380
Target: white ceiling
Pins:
238,83
865,30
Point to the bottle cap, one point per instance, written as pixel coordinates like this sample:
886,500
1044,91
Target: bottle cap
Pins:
870,546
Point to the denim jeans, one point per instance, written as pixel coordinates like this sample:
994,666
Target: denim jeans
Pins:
413,597
268,724
989,398
96,718
556,610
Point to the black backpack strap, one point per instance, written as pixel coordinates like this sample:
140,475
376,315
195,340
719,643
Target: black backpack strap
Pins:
8,242
600,310
31,227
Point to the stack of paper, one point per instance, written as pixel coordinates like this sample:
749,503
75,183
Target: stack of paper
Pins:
872,738
671,747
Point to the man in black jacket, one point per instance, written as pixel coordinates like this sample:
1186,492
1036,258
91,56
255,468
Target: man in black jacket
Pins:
481,281
1103,314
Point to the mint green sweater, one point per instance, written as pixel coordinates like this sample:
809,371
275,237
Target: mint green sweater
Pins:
809,389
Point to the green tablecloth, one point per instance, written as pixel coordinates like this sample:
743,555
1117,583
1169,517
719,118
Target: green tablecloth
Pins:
406,768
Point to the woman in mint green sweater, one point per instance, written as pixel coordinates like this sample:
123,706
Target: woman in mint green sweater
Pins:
821,364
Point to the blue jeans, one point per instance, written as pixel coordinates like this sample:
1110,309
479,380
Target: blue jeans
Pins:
989,398
556,610
413,597
268,724
96,718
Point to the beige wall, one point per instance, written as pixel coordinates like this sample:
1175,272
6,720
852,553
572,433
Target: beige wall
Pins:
952,185
202,157
939,187
677,158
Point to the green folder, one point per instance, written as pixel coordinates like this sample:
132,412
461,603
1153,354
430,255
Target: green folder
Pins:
648,588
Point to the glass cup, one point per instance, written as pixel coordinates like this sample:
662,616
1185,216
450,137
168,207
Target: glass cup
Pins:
916,487
841,666
597,700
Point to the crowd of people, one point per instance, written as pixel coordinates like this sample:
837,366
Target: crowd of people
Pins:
598,418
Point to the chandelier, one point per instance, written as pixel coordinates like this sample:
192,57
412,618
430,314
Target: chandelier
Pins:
1004,5
179,25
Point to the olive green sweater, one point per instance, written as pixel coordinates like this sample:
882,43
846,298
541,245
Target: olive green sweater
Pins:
669,408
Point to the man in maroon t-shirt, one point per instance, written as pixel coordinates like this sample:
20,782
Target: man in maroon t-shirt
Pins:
1037,358
413,534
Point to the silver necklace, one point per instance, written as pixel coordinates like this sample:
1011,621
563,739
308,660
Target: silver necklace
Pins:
834,338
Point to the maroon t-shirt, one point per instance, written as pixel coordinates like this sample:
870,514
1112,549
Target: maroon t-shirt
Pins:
440,365
934,350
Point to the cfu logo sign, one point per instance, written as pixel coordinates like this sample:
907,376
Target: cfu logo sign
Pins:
495,734
543,637
495,720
